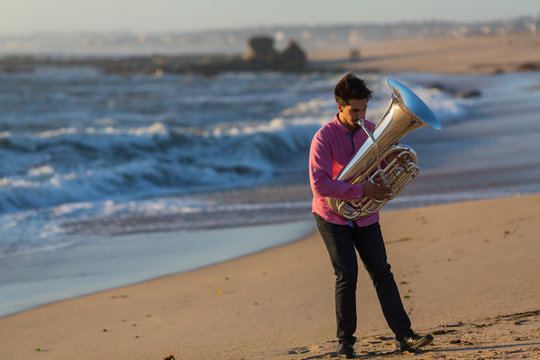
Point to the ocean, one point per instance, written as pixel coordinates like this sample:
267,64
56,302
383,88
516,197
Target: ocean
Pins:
88,156
79,146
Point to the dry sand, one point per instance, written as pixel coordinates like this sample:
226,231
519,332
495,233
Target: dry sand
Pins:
468,272
478,54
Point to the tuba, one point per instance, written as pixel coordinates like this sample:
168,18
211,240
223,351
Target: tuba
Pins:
406,113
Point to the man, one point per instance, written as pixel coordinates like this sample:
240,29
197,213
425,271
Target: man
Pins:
331,149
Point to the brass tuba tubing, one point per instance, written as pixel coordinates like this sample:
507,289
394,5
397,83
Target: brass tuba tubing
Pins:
407,112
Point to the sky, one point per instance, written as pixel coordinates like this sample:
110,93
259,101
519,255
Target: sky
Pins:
147,16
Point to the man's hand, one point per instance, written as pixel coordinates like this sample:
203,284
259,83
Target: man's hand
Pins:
378,189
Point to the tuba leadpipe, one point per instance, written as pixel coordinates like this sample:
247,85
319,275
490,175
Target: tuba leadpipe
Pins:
407,112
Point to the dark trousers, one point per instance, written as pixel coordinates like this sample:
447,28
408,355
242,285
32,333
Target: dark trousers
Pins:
341,242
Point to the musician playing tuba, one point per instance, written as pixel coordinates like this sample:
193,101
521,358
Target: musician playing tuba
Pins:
332,147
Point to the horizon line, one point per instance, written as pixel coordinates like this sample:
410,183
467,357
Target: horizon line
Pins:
266,26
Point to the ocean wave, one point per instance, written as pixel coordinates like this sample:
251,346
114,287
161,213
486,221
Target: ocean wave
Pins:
90,153
71,165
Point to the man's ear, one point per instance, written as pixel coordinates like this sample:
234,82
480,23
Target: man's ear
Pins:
339,107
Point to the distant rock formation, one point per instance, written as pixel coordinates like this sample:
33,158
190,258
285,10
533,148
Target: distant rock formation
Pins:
293,57
261,51
354,55
464,93
262,55
529,66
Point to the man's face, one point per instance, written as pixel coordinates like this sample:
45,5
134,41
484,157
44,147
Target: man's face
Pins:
350,114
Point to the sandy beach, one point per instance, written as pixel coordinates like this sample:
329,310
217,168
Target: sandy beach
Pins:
468,271
475,54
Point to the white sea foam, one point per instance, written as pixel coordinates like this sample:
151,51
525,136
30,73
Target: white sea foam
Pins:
42,170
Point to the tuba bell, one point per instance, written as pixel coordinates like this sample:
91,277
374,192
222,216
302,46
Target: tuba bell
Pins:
406,113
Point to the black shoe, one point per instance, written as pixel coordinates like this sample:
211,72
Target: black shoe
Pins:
346,351
412,342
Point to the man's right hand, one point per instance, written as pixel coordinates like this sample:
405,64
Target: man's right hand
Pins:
378,189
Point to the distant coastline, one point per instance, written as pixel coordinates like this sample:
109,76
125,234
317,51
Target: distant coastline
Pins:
483,47
474,54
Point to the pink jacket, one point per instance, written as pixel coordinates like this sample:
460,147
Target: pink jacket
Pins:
331,150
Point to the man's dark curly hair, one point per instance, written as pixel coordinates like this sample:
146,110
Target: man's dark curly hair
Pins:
351,87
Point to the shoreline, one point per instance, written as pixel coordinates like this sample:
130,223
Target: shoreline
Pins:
440,154
111,262
460,265
78,273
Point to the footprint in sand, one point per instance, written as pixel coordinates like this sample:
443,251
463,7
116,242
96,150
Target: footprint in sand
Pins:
299,350
304,349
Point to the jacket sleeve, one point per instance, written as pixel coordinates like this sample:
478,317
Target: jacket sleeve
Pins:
320,174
